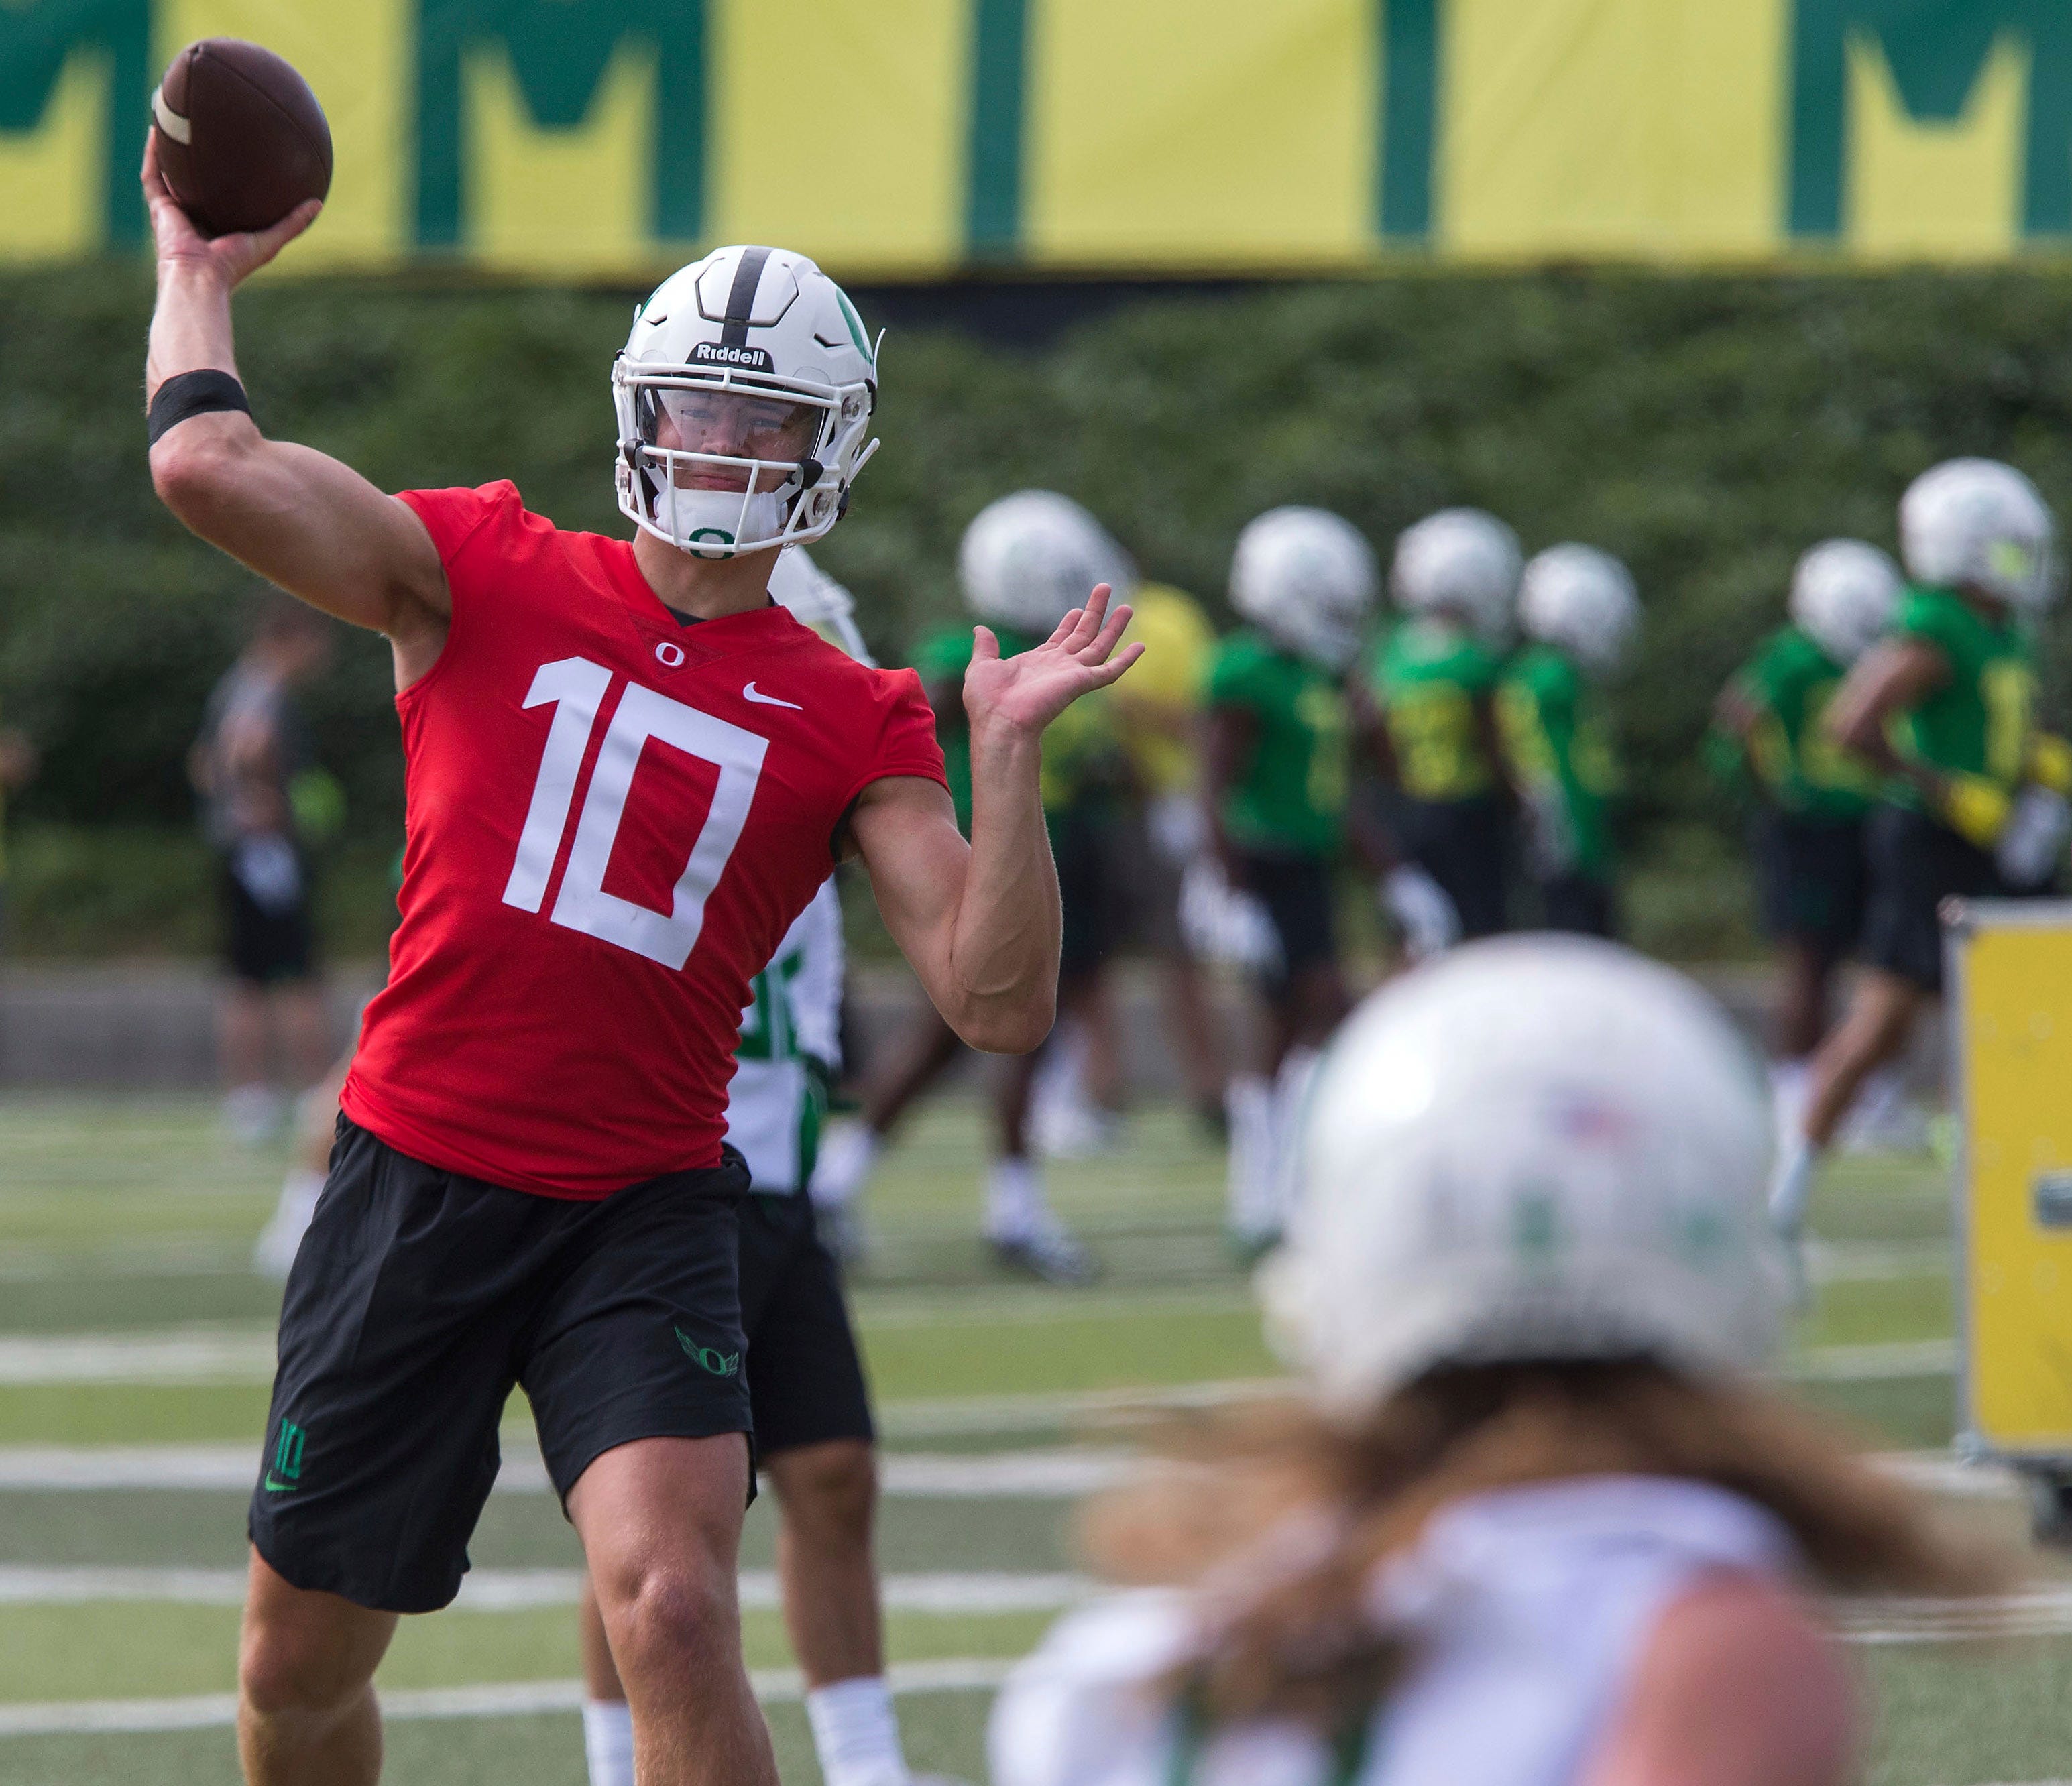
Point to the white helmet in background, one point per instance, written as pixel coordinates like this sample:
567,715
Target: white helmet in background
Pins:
1305,578
818,601
1582,600
1028,560
1977,523
744,396
1463,562
1844,593
1536,1147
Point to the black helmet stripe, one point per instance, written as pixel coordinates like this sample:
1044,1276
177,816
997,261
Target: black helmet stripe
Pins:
740,297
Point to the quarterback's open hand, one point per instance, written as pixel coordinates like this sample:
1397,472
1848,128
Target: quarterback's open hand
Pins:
231,258
1027,693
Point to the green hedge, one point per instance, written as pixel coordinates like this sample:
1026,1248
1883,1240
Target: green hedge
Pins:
1705,428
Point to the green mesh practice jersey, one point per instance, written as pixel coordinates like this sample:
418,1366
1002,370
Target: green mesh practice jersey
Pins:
1788,682
1981,721
1288,798
1082,750
1427,680
790,1046
1555,733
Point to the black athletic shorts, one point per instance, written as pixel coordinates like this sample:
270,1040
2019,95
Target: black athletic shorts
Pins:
1579,903
1915,864
805,1377
1296,891
1083,845
261,946
1465,845
1814,878
421,1297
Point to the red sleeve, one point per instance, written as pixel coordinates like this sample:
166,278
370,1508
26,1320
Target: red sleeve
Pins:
453,517
907,743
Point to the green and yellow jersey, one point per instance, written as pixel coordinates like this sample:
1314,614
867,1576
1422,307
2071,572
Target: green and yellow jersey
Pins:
1082,747
1802,771
1427,681
1978,729
1559,746
1288,797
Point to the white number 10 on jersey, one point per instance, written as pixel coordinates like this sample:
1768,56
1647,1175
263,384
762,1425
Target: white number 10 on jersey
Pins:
575,687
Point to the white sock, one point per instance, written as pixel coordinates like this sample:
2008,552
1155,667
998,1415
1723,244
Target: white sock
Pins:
848,1152
1791,1186
1015,1205
1248,1103
855,1733
608,1741
279,1241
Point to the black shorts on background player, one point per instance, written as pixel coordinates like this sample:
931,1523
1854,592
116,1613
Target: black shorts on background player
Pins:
1915,864
421,1297
263,947
1083,845
805,1377
1296,891
1465,845
1814,880
1579,904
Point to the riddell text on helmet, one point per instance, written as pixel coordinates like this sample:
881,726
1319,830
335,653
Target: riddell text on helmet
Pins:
755,359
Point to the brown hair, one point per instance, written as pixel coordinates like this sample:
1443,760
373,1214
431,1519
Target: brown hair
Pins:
1290,1635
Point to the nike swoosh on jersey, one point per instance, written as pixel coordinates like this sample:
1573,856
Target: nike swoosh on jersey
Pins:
748,693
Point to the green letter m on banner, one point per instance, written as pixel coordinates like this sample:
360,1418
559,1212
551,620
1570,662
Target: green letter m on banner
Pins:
559,50
1936,49
37,37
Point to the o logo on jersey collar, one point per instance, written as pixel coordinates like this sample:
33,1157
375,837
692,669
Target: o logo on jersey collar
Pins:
671,655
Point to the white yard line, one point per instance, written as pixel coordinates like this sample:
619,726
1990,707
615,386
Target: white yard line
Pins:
1056,1474
514,1699
1869,1363
523,1589
1876,1261
192,1355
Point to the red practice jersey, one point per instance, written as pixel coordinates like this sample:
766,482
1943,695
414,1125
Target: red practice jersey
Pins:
613,820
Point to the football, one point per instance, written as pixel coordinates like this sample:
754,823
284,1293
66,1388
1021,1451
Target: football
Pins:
241,138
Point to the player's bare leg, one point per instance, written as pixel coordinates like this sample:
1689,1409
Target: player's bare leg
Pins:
306,1039
918,1057
660,1522
1193,1031
1877,1029
306,1710
826,1495
1026,1235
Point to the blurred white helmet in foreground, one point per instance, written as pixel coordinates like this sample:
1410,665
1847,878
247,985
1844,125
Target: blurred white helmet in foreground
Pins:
1028,560
1534,1147
816,599
1844,593
1460,561
1305,578
1582,600
1977,522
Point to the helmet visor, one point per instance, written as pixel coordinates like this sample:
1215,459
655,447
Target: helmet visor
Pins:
715,424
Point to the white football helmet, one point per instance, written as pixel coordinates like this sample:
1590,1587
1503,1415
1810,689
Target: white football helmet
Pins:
1535,1147
1844,593
819,601
1462,562
1305,578
1029,559
1582,600
1979,524
744,396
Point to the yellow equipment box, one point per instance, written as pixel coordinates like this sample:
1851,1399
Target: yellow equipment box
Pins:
2009,984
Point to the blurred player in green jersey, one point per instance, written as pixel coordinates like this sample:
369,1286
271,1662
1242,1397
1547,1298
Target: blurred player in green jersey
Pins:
1578,611
1276,766
1945,706
1025,561
1433,682
1812,796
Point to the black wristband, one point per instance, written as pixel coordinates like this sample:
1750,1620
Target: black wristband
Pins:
187,394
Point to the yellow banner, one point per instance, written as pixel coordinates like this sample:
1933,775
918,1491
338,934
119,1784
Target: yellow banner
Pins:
919,138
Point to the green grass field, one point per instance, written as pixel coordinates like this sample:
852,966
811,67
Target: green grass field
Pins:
130,1328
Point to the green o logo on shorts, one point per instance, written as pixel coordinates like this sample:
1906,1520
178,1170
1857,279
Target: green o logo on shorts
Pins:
720,1364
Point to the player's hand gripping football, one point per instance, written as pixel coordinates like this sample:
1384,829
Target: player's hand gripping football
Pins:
1025,693
233,258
